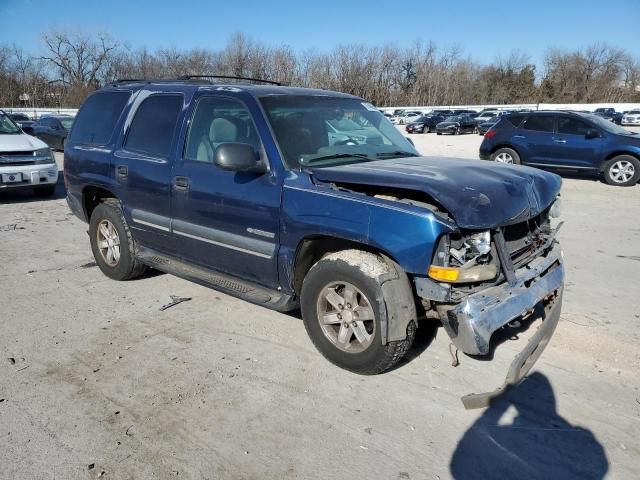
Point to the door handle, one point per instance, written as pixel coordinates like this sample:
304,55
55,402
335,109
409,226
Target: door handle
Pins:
181,183
559,140
518,136
122,171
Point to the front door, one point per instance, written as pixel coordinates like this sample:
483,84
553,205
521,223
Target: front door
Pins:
225,220
142,166
573,148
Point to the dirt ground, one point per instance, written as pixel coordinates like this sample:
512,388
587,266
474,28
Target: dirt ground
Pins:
96,382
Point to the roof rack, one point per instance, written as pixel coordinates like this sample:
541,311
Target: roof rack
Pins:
230,77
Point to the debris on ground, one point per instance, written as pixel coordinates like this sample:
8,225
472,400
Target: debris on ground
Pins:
454,355
8,227
175,300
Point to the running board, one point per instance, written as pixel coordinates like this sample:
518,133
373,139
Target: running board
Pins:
231,285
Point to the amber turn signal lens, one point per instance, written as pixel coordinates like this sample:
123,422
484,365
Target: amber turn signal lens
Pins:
444,274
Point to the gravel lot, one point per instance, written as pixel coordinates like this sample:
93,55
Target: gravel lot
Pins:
95,382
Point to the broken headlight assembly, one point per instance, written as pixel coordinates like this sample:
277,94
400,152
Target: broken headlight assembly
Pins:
556,209
464,259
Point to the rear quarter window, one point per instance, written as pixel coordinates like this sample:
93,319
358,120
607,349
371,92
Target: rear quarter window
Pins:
515,120
97,117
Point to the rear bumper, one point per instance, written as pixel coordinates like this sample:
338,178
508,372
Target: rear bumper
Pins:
485,154
30,175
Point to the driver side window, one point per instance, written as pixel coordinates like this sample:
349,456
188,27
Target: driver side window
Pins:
219,120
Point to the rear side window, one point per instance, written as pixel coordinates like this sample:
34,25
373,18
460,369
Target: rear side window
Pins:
572,126
97,118
152,128
539,123
515,120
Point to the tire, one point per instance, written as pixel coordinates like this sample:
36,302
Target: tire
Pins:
438,133
364,274
124,266
506,155
456,131
46,191
622,171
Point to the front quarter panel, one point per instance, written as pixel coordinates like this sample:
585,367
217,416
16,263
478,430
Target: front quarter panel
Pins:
404,232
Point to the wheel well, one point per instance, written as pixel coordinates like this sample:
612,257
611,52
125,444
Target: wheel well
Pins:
312,249
92,197
498,147
615,154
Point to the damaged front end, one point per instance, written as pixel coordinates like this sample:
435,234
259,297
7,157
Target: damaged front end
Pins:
481,281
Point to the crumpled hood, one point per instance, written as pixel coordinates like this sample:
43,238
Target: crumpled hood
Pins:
19,143
478,194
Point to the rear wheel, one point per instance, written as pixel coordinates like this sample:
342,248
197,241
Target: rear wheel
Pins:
622,171
506,155
341,311
112,243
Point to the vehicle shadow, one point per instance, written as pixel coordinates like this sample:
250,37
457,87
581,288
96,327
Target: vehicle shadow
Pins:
534,443
26,195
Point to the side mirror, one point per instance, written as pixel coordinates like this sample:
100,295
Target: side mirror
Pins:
591,133
238,157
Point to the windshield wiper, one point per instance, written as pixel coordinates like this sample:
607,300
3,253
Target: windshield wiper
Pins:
397,153
361,156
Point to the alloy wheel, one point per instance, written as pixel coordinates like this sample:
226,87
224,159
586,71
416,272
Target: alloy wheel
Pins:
346,317
108,242
622,171
504,157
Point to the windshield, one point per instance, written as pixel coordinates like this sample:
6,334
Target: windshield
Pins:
309,131
6,125
634,112
66,122
608,126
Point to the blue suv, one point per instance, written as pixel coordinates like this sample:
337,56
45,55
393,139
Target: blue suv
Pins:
566,140
256,191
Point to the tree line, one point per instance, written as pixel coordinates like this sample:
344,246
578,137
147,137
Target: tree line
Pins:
74,64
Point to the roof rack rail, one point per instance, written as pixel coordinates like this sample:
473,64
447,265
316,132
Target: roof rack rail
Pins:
127,80
230,77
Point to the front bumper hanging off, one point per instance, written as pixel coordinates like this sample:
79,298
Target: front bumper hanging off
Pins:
471,323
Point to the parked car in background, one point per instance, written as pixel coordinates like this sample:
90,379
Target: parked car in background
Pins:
484,127
237,188
409,117
609,114
566,140
53,130
345,131
632,117
456,125
23,121
25,161
486,116
425,124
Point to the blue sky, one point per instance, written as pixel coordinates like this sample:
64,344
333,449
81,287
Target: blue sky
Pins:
483,29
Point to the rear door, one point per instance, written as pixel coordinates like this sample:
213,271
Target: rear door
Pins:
225,220
141,166
536,136
571,146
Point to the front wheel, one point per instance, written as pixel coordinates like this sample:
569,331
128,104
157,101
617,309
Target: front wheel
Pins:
341,311
506,155
622,171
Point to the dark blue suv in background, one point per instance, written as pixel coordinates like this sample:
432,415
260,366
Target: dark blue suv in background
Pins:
566,140
256,191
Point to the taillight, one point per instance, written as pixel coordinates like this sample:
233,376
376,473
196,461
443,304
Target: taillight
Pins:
490,134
